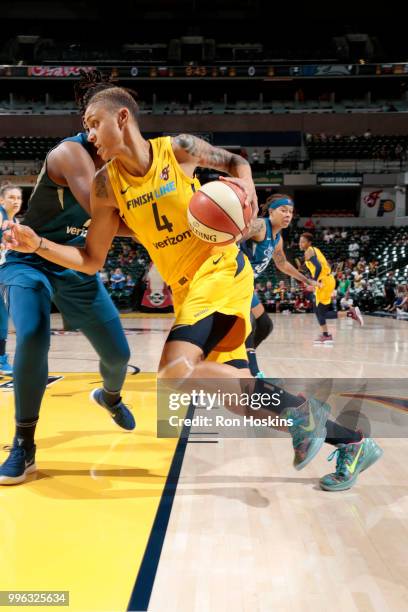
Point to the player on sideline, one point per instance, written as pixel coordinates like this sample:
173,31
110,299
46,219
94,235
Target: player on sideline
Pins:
263,243
320,270
59,208
11,199
149,184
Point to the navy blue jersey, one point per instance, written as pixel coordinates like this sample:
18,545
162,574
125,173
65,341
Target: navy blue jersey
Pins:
260,253
54,212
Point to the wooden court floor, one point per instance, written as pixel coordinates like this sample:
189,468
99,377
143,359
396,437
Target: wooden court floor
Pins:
227,524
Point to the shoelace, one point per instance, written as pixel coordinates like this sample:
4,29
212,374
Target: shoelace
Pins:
341,455
15,456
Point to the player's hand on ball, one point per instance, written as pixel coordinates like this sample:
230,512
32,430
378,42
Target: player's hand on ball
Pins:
19,237
247,185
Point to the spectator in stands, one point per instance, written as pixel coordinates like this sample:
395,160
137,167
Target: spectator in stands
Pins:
401,303
260,290
302,304
343,287
104,276
398,151
389,291
365,238
354,250
283,298
269,295
367,133
366,298
358,278
117,280
327,236
255,157
373,266
130,283
343,233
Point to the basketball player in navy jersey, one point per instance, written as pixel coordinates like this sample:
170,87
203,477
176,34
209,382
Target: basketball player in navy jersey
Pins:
59,208
262,244
11,198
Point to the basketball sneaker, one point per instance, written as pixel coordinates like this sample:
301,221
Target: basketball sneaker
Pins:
322,339
19,463
5,367
355,313
351,459
308,430
119,412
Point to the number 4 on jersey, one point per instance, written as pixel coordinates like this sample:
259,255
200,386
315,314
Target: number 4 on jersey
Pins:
161,223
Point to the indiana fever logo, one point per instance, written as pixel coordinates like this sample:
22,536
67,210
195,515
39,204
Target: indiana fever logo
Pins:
371,199
164,175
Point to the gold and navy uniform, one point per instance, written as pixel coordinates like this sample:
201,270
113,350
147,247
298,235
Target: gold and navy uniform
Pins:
204,278
324,294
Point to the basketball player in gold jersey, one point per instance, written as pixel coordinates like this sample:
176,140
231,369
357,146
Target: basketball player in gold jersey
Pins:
320,270
148,184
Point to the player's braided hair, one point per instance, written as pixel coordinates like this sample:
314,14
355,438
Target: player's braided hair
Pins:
93,82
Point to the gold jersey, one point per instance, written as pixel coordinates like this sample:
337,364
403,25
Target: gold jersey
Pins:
323,262
154,206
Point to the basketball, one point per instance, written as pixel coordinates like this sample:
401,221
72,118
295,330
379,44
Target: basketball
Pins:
217,214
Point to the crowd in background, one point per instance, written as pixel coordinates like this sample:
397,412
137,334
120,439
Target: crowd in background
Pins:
365,145
360,278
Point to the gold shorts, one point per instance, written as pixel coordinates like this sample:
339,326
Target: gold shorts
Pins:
223,283
324,294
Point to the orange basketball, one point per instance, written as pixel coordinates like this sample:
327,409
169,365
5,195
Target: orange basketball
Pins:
217,214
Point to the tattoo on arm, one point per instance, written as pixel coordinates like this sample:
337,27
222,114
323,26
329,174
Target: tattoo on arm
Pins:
100,186
209,156
257,225
279,258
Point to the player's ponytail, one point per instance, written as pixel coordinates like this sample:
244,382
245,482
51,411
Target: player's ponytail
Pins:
93,82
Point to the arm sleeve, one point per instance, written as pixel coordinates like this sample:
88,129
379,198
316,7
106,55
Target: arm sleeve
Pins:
317,265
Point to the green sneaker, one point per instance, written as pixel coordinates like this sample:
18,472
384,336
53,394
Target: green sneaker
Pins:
308,430
351,459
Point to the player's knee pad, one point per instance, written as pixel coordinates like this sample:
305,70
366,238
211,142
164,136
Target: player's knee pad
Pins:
264,327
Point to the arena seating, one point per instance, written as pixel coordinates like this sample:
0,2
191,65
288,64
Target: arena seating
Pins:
28,147
359,147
